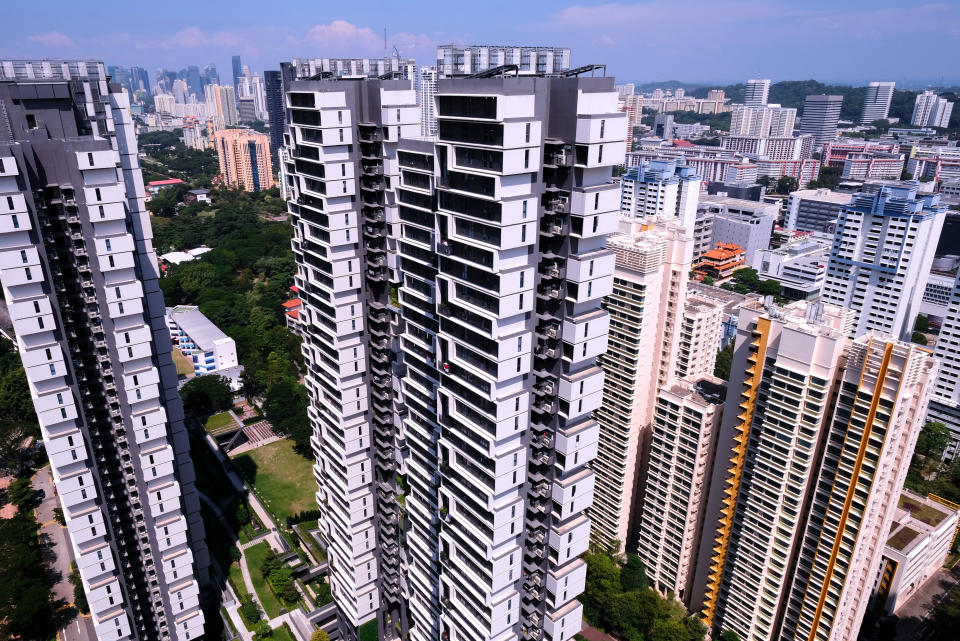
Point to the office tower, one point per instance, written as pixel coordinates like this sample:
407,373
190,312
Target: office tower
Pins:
492,268
457,60
745,223
210,75
882,251
237,70
660,188
223,102
821,113
876,102
79,278
273,87
180,91
930,110
815,210
426,94
700,330
650,282
121,76
798,484
663,126
757,92
244,158
194,84
139,79
880,408
677,481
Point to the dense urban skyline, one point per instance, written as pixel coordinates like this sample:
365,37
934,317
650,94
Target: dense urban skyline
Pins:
642,42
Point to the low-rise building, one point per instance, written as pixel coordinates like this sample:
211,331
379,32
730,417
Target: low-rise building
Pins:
799,266
815,209
720,262
197,196
920,538
154,187
203,343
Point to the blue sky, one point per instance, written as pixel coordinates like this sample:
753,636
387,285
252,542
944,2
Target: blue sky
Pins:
691,40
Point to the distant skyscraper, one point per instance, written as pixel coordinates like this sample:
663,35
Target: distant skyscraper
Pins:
224,102
930,110
882,251
273,87
194,84
801,492
454,60
821,113
426,93
762,122
757,92
660,189
79,277
663,126
244,158
237,71
121,76
876,102
139,79
210,75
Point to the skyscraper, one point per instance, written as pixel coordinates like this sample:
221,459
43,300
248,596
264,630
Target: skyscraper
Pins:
802,501
194,84
426,94
762,122
79,276
273,87
660,188
930,110
210,75
139,79
882,250
945,403
650,282
121,76
237,71
500,284
244,158
876,102
821,113
757,92
677,481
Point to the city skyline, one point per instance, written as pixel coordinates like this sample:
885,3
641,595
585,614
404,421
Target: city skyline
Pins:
623,35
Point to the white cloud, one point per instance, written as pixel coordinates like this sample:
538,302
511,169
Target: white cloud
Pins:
52,39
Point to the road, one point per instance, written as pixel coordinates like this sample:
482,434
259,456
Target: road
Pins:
58,554
913,625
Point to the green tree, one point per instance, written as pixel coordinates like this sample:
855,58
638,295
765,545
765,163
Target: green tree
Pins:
285,406
79,594
768,287
58,516
765,181
20,492
746,276
946,618
922,324
15,401
204,395
708,280
918,338
319,635
633,574
242,513
729,635
668,630
262,630
721,368
933,439
26,607
787,184
250,610
602,584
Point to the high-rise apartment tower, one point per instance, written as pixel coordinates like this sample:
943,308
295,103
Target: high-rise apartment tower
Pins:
79,278
757,92
876,102
821,114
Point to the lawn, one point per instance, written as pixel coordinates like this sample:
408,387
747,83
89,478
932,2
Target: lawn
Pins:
184,365
368,631
921,512
218,422
281,634
282,478
902,538
236,580
254,556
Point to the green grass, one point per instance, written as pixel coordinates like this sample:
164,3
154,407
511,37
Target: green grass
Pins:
183,364
236,580
368,631
226,617
304,530
255,556
219,422
282,478
282,634
921,512
902,538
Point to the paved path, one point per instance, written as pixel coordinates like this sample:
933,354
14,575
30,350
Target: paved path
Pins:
58,554
914,614
592,634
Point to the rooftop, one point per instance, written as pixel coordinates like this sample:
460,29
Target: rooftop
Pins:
197,326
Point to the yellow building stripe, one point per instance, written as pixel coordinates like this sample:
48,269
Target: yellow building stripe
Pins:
852,486
749,395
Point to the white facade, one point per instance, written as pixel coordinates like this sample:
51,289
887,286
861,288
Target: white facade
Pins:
453,60
762,122
210,350
746,223
882,251
662,189
800,267
426,98
930,110
815,210
876,102
700,332
757,92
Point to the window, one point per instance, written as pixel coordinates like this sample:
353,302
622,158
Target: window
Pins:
36,307
107,243
110,260
28,273
603,126
16,222
523,239
90,159
526,158
102,213
596,202
341,135
524,209
10,202
53,369
398,116
528,132
600,154
596,223
96,192
340,117
23,255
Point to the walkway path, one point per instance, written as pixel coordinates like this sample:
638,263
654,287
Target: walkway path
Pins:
592,634
915,613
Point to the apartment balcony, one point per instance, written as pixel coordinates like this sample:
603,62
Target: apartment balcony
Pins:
377,274
369,133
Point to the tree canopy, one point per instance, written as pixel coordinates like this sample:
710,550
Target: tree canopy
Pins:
205,395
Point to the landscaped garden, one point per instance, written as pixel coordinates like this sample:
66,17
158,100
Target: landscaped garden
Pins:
280,476
219,423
